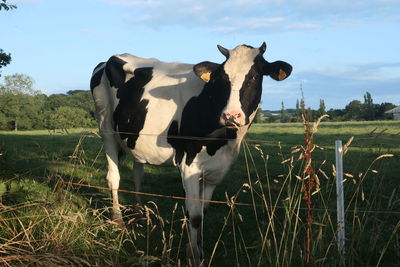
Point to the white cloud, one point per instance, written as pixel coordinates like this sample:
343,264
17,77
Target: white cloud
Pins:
133,3
361,72
18,2
224,29
259,16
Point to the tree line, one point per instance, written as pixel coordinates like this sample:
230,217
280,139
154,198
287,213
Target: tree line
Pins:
353,111
22,108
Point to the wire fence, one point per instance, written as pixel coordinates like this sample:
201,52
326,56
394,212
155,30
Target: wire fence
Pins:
228,203
371,135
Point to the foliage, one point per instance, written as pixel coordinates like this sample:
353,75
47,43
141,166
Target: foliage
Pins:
23,108
18,102
258,118
66,117
322,108
5,6
78,98
353,111
368,112
5,58
18,84
284,116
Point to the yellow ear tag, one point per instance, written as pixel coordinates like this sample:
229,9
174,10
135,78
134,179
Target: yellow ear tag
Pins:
206,76
282,75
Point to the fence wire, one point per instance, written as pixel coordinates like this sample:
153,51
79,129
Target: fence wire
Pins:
228,203
372,135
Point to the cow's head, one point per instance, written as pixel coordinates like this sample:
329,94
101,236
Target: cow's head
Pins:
238,81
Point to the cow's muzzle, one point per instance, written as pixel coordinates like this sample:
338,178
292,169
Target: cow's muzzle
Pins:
233,118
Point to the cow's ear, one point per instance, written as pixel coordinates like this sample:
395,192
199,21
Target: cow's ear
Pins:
278,70
203,70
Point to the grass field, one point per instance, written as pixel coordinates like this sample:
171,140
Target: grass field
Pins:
44,220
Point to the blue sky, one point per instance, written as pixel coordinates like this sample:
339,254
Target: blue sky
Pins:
339,49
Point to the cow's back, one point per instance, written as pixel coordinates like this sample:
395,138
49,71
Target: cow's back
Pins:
137,99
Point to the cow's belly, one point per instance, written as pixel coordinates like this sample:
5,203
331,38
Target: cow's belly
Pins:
153,150
215,167
152,146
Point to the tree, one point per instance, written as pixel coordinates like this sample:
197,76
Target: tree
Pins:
5,58
311,114
353,110
17,98
5,6
67,117
284,113
298,111
336,114
322,108
380,109
76,98
18,83
258,118
368,107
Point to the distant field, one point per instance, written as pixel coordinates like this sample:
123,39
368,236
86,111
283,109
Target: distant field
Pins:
47,222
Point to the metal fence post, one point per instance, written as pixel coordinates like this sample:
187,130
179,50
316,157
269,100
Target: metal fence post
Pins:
340,199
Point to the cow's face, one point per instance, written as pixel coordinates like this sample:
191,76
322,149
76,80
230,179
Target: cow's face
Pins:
239,81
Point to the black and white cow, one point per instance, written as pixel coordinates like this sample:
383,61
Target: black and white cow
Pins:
193,117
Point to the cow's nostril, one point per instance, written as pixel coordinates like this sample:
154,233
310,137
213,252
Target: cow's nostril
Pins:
234,117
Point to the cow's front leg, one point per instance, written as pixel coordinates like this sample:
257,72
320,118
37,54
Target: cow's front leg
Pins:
194,208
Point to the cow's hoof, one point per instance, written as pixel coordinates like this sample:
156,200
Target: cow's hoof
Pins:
117,219
194,256
136,215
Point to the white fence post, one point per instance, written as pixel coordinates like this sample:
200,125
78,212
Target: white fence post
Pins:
340,199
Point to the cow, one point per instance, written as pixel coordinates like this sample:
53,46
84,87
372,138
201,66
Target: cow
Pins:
193,117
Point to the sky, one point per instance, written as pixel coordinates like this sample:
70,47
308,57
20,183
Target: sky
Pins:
339,50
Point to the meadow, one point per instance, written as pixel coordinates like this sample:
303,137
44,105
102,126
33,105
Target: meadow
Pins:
49,216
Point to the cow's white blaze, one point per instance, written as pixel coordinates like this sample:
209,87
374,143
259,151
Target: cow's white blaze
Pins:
240,61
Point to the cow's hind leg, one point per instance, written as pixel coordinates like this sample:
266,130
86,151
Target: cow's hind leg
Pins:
111,150
138,212
138,173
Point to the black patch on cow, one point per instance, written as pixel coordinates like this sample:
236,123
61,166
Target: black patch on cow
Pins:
196,221
200,126
115,73
130,113
250,92
175,140
96,78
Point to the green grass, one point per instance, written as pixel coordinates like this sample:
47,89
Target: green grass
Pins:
39,218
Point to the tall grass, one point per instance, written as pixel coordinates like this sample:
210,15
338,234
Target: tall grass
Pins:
47,221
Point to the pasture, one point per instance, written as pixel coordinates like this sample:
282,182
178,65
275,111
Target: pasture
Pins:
49,216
